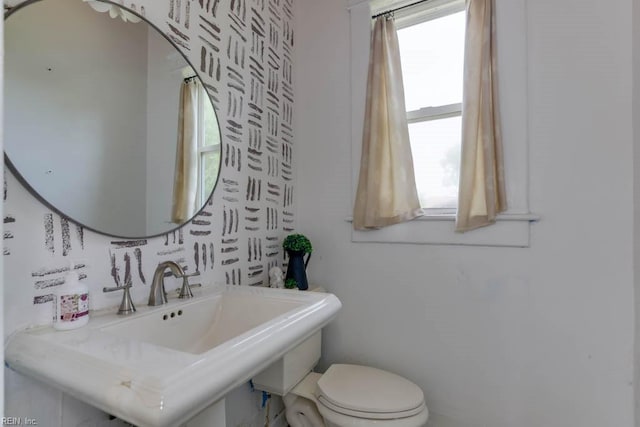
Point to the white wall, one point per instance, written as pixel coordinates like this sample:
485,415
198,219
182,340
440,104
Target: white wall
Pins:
165,77
636,198
496,337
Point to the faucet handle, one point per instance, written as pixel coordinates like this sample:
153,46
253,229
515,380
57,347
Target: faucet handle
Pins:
185,291
126,306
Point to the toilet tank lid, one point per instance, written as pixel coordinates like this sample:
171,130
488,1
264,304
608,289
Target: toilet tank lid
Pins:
368,390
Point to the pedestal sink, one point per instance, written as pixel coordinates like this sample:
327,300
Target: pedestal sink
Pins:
163,365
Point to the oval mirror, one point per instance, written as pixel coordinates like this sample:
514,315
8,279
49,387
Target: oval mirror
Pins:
105,120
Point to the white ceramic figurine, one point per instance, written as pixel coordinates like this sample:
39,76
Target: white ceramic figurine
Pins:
276,278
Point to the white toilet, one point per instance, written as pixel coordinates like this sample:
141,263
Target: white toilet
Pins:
344,396
354,395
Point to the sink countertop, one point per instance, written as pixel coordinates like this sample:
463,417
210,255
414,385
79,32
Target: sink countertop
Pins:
151,385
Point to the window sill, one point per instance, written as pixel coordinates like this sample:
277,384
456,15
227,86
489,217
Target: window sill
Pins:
510,230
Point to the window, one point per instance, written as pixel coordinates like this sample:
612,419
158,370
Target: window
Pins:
437,115
432,54
208,147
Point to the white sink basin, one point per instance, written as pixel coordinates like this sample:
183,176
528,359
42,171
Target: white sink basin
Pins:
163,365
202,324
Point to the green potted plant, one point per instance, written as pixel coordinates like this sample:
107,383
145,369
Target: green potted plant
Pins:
297,242
297,246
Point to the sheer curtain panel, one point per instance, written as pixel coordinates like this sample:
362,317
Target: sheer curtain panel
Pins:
386,191
185,185
482,192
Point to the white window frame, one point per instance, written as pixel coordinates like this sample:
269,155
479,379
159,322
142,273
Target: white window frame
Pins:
512,228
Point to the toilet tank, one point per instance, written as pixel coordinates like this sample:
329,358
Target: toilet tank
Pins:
282,375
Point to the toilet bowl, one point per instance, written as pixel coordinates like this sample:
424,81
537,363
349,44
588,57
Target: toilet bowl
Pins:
355,396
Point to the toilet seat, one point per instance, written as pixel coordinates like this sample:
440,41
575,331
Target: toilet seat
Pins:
371,415
336,419
369,393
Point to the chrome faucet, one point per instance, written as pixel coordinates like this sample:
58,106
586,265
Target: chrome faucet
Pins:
158,295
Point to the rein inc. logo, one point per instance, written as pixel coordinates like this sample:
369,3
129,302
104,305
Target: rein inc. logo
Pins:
18,421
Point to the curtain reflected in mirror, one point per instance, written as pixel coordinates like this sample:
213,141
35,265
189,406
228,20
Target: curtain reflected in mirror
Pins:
197,151
186,175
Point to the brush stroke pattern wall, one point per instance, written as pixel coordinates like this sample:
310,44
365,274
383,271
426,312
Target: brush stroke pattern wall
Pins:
242,49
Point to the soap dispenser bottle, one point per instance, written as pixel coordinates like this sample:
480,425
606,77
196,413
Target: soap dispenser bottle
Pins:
71,303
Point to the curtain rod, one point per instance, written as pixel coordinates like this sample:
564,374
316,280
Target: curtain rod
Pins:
398,8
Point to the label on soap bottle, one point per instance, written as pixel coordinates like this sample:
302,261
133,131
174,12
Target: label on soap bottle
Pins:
73,307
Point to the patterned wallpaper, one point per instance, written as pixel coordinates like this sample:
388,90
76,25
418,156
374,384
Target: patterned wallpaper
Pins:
242,50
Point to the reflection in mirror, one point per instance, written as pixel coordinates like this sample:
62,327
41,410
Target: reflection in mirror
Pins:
95,123
113,10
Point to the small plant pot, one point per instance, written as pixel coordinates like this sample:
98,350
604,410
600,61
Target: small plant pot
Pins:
297,269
